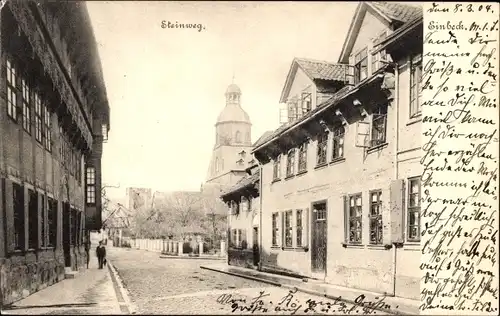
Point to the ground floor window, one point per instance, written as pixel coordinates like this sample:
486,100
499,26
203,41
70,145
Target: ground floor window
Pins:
18,197
52,222
32,219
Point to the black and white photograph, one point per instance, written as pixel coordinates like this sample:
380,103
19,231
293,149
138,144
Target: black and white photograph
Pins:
248,157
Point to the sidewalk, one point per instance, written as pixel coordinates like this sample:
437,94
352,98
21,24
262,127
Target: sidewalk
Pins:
399,305
91,292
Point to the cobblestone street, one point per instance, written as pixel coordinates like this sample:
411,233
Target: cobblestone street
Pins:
179,286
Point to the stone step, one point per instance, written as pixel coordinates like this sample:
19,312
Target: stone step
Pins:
69,273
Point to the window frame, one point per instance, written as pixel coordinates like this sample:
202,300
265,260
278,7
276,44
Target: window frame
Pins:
11,80
18,194
33,220
322,148
360,63
302,158
299,223
26,104
290,163
90,186
275,229
413,209
355,218
416,72
377,116
338,140
277,168
52,222
47,128
37,101
376,217
288,229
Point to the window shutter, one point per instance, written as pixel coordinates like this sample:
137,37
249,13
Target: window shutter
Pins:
346,218
349,73
305,227
396,207
362,133
282,229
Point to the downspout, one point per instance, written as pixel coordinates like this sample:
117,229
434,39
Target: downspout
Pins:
260,217
396,169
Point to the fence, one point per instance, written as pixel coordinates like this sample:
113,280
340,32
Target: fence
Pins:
171,247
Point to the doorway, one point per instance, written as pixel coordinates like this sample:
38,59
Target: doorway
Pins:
319,230
256,248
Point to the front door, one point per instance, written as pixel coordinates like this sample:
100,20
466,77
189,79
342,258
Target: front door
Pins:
319,237
256,251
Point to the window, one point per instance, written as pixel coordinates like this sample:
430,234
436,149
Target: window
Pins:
413,209
238,238
376,217
104,132
277,168
47,129
11,90
18,196
90,182
288,229
238,137
306,102
43,224
361,66
379,120
33,220
299,228
275,229
322,147
290,163
293,112
303,157
338,142
52,222
26,106
415,86
380,56
355,218
38,117
234,208
78,172
244,204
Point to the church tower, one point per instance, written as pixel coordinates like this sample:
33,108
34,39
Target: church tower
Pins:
233,142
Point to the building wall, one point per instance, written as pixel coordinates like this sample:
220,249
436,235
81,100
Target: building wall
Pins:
371,27
359,172
25,162
302,83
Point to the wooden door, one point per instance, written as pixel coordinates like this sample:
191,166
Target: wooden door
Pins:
66,234
319,238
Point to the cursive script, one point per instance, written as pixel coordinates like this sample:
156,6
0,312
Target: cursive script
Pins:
459,214
291,304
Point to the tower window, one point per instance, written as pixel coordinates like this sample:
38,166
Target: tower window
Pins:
238,137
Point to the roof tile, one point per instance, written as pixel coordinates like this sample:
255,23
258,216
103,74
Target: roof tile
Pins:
322,70
398,11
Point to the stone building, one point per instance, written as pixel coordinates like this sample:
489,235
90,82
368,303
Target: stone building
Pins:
340,190
54,117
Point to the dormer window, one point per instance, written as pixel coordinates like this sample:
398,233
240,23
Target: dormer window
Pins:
361,66
292,109
306,102
380,57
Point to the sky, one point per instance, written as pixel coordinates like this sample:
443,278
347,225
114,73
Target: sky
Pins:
166,86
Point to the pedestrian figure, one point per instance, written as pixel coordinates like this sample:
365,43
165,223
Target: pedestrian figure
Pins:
101,254
87,252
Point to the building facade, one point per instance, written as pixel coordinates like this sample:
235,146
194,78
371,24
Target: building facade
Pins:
54,117
341,181
243,220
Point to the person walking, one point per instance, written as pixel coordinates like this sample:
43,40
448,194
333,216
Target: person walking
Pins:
101,254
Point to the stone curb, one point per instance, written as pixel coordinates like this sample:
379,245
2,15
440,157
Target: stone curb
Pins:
123,291
299,288
192,257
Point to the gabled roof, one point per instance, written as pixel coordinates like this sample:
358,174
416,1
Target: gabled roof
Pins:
262,138
315,70
243,183
392,13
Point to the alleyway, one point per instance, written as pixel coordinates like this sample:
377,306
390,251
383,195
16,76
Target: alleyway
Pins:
179,286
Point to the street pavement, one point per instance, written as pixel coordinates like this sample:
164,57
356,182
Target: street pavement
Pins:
180,286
